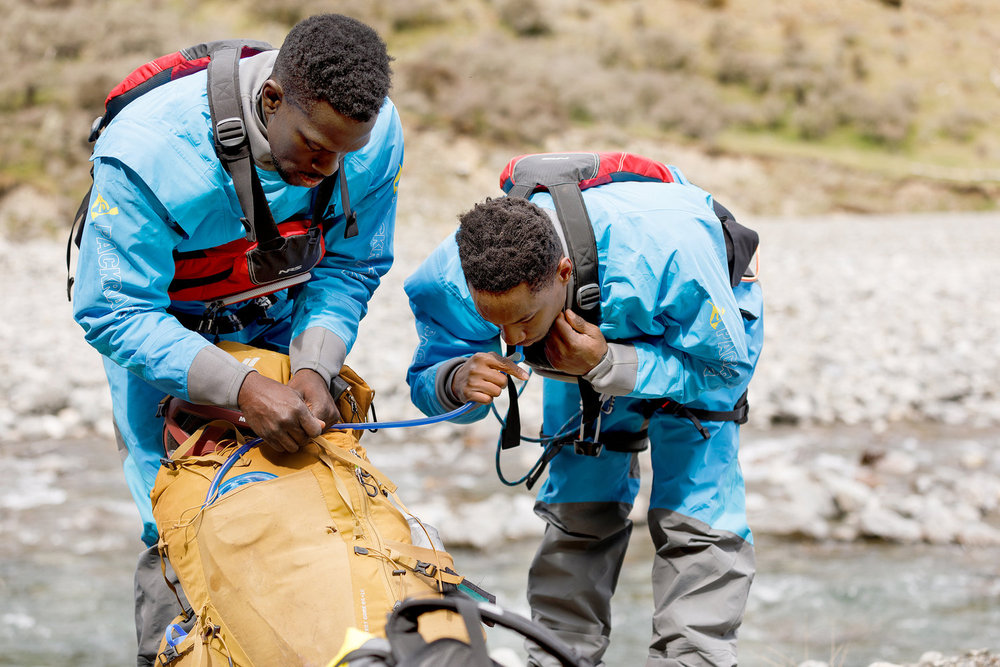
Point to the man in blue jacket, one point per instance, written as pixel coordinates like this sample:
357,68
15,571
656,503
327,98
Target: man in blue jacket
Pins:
162,202
673,332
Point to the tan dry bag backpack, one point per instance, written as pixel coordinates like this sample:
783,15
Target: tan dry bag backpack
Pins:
281,553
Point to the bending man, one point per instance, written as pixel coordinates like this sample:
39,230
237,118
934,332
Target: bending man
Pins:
163,201
674,332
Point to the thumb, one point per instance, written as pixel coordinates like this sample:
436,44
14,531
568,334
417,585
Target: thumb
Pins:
575,321
312,425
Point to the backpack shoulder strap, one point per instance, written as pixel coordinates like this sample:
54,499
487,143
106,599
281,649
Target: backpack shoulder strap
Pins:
232,144
561,174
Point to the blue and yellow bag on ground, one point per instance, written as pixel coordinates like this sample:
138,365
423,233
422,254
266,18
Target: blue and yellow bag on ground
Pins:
278,568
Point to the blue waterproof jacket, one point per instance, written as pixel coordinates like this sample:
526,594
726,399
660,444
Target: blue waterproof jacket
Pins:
668,309
159,187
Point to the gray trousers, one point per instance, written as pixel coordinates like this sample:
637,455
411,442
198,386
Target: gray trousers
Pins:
701,580
155,605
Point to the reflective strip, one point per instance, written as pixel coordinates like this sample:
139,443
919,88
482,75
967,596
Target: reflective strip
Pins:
266,289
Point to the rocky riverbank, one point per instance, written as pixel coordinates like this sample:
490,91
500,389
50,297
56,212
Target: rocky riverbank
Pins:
883,327
874,408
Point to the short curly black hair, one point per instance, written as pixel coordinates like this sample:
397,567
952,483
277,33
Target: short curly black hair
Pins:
507,241
335,59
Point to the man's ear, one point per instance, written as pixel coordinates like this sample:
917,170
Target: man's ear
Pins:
271,96
564,270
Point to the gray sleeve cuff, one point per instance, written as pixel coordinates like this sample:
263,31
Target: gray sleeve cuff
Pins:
615,374
215,378
318,349
442,384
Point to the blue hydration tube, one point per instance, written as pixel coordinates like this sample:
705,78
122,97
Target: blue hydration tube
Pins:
422,421
213,489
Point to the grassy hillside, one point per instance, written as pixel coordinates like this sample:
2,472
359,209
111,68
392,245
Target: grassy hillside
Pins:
779,107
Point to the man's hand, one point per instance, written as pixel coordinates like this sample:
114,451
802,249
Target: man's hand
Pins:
316,393
484,376
574,345
278,413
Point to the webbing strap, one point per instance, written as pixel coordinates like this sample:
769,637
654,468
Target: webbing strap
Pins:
590,405
470,614
349,459
232,145
350,217
76,234
161,549
582,248
739,414
510,434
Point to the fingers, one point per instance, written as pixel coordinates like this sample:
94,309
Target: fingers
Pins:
507,366
574,345
314,390
483,377
277,413
288,435
575,321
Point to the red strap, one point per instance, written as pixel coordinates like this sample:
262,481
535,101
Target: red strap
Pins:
210,437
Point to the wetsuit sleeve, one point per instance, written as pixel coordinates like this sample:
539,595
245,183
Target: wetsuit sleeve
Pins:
336,297
124,268
696,341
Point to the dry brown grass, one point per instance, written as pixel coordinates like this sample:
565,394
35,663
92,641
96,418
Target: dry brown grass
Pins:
867,97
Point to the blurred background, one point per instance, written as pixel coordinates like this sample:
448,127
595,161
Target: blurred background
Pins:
860,138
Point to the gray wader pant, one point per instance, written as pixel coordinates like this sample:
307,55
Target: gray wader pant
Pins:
156,606
701,580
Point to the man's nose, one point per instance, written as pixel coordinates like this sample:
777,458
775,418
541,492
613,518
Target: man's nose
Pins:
513,335
326,163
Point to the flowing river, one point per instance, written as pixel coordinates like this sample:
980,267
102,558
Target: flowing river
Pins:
68,540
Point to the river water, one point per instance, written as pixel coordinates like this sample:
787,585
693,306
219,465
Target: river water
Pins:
68,541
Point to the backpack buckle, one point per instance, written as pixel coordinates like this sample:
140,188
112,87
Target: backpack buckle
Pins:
589,296
587,448
230,132
95,129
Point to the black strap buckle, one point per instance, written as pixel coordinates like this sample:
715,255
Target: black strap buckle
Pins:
207,324
587,447
212,324
426,569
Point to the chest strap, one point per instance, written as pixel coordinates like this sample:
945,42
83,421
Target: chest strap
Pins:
215,323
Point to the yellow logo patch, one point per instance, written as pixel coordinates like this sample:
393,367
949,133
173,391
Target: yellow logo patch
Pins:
101,207
716,315
395,182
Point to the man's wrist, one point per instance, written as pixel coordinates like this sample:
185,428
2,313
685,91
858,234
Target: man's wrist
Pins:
443,384
615,374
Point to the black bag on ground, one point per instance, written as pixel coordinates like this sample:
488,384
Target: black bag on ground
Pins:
404,647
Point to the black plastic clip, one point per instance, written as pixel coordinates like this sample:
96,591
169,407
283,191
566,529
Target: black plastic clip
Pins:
587,447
